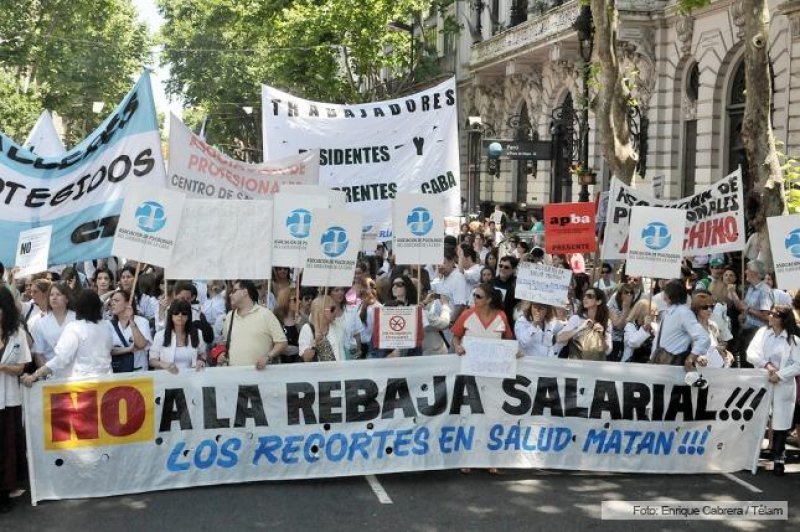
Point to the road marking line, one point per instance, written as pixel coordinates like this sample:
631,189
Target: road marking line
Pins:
741,482
380,493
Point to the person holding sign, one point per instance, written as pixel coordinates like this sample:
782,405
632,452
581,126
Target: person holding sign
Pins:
320,340
485,319
776,348
179,346
147,305
14,354
130,332
536,329
84,349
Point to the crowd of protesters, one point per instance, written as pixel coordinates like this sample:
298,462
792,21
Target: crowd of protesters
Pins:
104,316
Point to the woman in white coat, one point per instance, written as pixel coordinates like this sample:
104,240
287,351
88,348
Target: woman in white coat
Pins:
536,330
776,348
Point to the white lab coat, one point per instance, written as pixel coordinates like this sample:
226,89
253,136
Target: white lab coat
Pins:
783,398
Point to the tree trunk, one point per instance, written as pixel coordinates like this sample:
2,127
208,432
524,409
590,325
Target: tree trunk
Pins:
759,142
611,104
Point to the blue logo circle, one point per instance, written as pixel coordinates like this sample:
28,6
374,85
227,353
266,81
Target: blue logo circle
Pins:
656,236
334,241
419,221
299,223
792,243
151,216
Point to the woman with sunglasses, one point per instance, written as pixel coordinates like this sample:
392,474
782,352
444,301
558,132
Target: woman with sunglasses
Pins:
179,346
536,329
592,318
320,340
404,294
776,348
619,308
717,356
366,316
130,334
485,319
606,283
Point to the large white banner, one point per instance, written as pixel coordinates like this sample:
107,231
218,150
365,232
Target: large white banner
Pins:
373,151
714,217
202,171
418,227
784,237
543,284
44,139
291,226
224,240
656,242
129,433
80,192
333,247
148,225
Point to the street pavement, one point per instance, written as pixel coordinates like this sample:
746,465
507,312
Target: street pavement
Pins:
426,501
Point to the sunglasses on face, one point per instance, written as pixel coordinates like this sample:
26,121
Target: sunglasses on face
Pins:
307,298
332,309
776,314
589,296
478,296
707,307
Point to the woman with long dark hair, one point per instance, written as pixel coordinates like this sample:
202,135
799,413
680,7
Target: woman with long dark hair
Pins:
14,354
484,319
536,329
179,346
147,305
776,348
588,331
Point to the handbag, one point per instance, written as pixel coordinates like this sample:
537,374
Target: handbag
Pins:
588,345
641,354
323,350
121,363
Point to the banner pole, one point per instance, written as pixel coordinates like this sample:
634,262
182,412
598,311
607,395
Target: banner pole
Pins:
297,293
419,283
135,280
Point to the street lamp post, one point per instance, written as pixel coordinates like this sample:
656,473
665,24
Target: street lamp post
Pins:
585,28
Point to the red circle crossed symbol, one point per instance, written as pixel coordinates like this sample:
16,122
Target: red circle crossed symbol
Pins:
397,323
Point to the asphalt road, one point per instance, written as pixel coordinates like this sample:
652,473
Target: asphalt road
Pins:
426,501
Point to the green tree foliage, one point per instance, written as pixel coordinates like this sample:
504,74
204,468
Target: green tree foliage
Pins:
18,109
221,51
72,52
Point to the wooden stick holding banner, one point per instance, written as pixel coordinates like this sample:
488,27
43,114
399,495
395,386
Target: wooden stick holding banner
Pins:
135,280
297,293
419,283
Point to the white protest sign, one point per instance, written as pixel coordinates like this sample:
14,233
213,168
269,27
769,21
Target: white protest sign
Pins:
33,249
784,237
397,327
291,226
337,198
333,248
148,225
543,284
369,240
656,242
714,217
44,139
487,357
229,239
418,226
201,171
375,150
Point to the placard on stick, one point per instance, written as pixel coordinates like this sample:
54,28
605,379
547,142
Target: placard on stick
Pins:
33,249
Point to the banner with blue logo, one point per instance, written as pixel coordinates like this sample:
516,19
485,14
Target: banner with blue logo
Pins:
148,225
784,237
80,193
418,227
714,217
656,242
333,246
373,151
291,226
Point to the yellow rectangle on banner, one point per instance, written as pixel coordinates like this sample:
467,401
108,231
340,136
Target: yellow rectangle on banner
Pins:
97,414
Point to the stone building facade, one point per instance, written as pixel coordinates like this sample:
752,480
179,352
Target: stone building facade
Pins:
519,70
